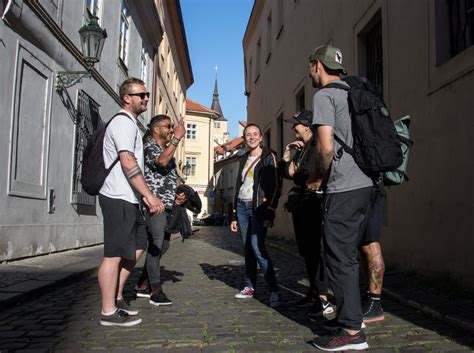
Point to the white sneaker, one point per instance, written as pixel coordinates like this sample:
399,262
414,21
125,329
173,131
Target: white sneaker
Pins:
275,300
245,293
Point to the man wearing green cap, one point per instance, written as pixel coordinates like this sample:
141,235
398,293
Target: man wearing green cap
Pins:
346,202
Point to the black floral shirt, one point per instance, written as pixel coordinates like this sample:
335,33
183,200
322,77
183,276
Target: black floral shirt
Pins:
160,180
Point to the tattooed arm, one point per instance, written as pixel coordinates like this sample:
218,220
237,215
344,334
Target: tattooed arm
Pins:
135,177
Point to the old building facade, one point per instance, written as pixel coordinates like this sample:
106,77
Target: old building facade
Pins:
199,152
44,130
420,55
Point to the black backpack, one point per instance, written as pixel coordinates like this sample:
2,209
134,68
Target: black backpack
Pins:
94,173
376,147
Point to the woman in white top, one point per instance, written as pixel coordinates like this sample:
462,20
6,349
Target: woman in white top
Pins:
257,193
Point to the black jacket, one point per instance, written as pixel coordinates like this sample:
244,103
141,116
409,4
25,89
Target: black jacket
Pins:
305,162
266,182
178,221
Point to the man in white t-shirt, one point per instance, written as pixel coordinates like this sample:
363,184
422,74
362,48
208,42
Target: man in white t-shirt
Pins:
124,228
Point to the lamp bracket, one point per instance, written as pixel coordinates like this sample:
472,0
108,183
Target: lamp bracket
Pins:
66,79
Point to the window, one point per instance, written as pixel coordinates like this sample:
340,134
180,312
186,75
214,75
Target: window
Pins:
371,52
191,131
124,28
191,161
269,37
217,125
143,65
454,28
93,7
258,59
280,127
230,182
280,5
168,64
162,63
88,121
249,72
300,100
221,179
267,138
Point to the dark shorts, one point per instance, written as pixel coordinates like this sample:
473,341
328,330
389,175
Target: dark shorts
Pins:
122,221
375,220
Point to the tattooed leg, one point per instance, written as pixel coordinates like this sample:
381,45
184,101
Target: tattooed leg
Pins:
375,266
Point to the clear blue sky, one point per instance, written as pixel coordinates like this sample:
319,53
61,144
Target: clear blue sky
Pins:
214,31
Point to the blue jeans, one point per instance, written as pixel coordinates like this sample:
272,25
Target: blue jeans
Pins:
253,238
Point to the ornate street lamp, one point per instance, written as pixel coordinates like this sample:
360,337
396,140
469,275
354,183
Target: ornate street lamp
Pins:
92,43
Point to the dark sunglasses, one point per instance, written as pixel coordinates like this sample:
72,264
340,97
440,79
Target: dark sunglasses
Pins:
142,95
169,126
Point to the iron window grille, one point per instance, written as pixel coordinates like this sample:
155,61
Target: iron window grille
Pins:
461,25
87,121
374,55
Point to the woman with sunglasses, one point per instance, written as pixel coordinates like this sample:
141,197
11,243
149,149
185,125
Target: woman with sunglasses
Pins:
257,193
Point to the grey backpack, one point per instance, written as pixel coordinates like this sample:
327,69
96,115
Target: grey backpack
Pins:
399,175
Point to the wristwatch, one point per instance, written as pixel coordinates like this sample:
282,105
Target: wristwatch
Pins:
175,141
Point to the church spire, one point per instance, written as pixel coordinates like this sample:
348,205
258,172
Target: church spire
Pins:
216,106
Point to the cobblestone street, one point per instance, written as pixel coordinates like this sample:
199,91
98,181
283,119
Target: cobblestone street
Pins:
202,274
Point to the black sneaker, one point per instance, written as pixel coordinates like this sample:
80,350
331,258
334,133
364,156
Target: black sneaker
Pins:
119,318
372,310
122,304
333,325
142,291
319,308
159,298
341,341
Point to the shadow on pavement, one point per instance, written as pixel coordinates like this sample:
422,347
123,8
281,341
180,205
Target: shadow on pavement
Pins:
291,275
232,276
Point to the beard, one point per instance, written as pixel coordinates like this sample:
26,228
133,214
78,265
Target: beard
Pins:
139,108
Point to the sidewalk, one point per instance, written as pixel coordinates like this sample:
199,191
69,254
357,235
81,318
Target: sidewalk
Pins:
23,279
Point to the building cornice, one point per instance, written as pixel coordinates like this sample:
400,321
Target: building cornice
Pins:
201,113
179,35
253,21
150,21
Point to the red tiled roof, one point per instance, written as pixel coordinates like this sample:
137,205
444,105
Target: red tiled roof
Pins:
193,105
229,146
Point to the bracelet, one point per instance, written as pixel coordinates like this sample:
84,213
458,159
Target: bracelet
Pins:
175,141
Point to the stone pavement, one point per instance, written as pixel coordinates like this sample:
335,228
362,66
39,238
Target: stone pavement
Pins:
201,276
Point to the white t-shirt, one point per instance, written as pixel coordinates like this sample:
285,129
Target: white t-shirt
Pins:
246,189
122,135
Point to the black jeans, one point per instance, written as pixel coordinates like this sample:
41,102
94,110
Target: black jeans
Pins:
307,220
344,220
158,244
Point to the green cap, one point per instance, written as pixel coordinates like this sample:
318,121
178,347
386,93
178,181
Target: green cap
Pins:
329,56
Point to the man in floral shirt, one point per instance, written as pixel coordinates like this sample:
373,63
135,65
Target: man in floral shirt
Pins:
160,144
